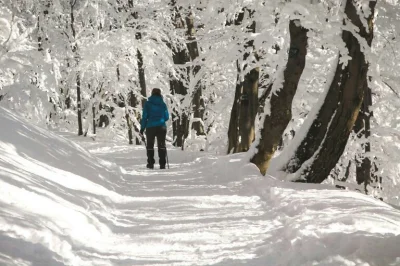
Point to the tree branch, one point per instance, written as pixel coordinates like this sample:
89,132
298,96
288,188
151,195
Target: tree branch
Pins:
390,87
11,28
73,3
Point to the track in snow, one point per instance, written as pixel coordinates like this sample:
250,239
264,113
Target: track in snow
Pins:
178,215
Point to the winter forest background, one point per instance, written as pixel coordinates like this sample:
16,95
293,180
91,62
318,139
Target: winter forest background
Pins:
308,88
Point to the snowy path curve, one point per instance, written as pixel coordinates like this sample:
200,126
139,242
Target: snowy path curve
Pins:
62,204
179,216
216,211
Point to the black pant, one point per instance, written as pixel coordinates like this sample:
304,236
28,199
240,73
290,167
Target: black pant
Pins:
151,134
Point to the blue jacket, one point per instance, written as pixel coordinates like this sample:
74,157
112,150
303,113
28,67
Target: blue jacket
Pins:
155,113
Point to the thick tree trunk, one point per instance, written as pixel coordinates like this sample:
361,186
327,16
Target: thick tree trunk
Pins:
281,102
248,109
233,130
328,135
363,129
197,102
241,132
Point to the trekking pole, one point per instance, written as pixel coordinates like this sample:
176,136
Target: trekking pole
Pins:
144,140
166,156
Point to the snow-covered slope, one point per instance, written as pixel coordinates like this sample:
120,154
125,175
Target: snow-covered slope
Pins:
66,205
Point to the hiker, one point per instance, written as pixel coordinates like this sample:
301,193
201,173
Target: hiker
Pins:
155,114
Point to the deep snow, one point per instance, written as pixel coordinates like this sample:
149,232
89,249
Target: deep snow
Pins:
74,201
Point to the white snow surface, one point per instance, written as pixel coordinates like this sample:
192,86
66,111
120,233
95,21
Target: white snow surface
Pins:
75,201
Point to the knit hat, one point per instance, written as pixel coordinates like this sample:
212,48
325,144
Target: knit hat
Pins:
156,91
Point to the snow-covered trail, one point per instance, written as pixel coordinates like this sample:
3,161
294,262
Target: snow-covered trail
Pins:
180,216
209,210
75,201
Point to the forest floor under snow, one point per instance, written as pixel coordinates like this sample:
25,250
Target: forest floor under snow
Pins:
74,201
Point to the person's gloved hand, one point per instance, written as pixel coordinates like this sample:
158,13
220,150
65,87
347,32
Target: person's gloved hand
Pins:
141,131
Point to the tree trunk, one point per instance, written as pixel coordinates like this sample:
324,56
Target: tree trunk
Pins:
94,119
197,102
241,130
248,109
142,77
78,78
133,102
281,102
233,132
328,135
140,62
362,128
127,116
129,123
79,104
40,33
180,124
180,121
42,36
142,81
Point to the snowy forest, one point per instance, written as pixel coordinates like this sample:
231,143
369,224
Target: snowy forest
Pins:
306,88
284,132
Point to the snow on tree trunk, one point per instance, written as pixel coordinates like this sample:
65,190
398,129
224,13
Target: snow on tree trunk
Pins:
363,129
276,122
197,101
180,119
241,132
326,139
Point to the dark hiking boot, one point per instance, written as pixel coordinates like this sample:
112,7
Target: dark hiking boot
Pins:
162,154
150,158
